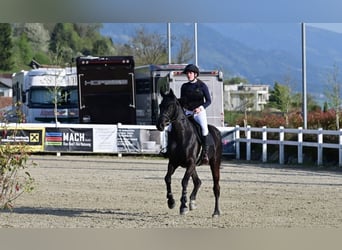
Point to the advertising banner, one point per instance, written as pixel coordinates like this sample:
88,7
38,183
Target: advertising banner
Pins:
104,139
138,140
33,137
69,139
128,140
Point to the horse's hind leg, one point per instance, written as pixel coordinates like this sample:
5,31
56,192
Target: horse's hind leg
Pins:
197,183
170,200
215,170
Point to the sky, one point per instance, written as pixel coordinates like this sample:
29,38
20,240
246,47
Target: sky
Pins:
325,14
313,11
336,27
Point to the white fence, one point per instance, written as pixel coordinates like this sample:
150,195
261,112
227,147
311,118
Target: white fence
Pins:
281,142
139,139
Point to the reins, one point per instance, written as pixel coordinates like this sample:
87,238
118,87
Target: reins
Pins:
175,116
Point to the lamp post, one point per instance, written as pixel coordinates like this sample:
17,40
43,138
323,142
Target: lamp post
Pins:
195,41
304,105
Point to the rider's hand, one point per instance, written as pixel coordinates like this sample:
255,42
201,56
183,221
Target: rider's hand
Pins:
198,109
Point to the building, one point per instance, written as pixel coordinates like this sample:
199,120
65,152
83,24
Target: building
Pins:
5,92
6,85
239,97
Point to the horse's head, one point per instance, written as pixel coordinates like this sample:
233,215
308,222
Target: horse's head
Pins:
167,110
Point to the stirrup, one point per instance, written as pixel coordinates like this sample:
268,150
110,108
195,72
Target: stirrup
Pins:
163,152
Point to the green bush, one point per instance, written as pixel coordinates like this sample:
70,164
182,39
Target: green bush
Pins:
14,176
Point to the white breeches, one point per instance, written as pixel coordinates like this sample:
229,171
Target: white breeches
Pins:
201,119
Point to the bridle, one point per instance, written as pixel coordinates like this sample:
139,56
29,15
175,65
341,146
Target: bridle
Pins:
171,118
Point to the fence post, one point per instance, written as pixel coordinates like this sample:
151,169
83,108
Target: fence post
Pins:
300,145
340,149
248,143
320,147
264,144
118,126
281,145
237,141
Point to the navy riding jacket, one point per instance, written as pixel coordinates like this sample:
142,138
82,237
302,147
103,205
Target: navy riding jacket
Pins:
194,95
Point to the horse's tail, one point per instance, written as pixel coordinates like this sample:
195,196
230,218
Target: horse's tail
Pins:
216,135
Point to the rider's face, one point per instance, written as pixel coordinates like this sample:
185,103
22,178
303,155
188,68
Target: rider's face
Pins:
191,75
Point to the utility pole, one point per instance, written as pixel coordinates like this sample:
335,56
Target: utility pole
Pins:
304,111
195,39
169,41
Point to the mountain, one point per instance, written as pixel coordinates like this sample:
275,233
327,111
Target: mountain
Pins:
260,52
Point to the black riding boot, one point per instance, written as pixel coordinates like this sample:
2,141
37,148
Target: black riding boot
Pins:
205,148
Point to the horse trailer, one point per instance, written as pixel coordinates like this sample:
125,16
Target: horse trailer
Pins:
106,89
152,79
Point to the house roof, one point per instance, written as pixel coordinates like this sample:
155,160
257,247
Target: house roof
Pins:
6,82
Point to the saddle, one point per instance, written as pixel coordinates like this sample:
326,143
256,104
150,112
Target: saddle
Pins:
197,127
198,130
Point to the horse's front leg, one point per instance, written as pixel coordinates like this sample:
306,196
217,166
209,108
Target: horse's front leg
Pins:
197,183
170,200
185,181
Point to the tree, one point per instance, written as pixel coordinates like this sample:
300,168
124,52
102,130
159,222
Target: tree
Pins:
235,80
88,30
312,104
147,48
150,48
102,47
91,42
333,93
22,51
74,39
6,46
325,107
280,98
184,53
36,34
64,41
297,100
246,103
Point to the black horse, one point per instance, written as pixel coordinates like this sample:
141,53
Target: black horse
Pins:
184,147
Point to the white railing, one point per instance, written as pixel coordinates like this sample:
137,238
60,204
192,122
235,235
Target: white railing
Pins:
140,139
281,142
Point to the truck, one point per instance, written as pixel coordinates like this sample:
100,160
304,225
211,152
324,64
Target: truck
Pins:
106,89
45,95
112,90
151,79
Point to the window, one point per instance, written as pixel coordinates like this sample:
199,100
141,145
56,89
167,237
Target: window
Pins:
46,96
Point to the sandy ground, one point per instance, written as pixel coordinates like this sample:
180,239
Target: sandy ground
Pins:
129,192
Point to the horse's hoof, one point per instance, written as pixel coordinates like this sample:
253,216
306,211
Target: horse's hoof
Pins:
183,211
193,205
216,214
171,203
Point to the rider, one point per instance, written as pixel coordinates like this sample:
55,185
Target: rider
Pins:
195,98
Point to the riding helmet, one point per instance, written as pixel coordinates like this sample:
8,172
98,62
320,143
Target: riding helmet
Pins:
191,68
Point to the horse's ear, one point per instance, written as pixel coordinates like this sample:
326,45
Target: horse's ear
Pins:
162,93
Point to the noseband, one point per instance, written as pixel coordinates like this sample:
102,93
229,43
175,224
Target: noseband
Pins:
168,117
